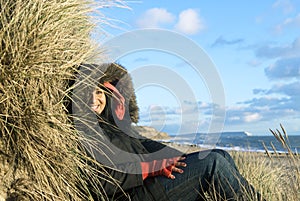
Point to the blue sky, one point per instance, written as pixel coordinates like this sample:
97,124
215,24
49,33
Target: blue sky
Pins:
255,46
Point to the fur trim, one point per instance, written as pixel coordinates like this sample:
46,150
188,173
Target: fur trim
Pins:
118,76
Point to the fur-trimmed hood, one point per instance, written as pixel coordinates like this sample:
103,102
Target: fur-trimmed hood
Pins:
119,77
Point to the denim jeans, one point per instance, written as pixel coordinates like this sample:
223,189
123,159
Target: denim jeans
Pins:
205,171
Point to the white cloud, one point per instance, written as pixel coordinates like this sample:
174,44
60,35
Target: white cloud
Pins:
286,68
285,5
289,22
155,17
189,22
252,117
185,118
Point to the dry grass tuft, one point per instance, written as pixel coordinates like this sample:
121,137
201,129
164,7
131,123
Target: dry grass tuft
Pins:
290,163
275,175
261,172
42,42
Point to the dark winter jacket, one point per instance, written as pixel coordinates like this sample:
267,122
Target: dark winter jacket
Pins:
119,148
139,149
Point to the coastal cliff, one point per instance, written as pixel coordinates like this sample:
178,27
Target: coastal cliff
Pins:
152,133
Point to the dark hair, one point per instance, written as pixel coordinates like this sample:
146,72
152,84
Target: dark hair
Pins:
108,116
118,76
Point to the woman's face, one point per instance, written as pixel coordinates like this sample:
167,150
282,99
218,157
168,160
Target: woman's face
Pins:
99,100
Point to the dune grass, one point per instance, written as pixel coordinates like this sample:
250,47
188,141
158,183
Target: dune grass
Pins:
42,43
275,175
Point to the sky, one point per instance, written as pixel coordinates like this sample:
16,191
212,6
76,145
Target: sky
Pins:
254,46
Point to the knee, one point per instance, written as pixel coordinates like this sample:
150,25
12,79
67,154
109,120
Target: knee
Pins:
213,155
222,152
225,155
221,160
216,159
216,155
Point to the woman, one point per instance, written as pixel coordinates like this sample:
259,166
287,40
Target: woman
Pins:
146,169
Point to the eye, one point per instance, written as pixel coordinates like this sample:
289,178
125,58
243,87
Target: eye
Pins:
98,91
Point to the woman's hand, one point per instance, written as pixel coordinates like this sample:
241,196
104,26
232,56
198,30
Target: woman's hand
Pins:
163,167
175,163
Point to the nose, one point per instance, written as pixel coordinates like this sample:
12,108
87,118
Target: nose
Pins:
94,98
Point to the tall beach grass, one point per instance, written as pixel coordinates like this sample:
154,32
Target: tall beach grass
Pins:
42,43
275,175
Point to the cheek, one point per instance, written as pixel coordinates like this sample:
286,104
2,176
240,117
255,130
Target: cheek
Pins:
102,103
94,98
104,100
99,102
97,98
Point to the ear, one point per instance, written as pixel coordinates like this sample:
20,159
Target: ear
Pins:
119,101
120,109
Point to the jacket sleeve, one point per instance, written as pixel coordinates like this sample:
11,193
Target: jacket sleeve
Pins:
123,166
158,150
122,181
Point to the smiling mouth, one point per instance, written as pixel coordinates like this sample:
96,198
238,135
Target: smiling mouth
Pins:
95,107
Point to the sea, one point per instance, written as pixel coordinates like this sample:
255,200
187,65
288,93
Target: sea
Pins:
239,141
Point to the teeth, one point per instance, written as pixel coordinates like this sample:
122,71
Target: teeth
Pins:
95,107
